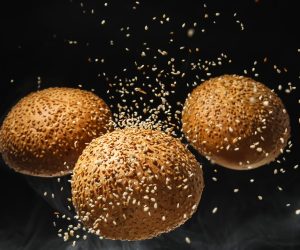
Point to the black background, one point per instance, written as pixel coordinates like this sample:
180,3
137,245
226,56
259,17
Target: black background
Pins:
34,43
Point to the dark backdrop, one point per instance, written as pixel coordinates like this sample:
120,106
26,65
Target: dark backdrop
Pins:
36,52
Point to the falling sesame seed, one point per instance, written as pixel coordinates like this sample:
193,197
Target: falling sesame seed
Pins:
187,240
190,32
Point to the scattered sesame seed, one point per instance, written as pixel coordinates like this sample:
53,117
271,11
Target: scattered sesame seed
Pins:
215,210
187,240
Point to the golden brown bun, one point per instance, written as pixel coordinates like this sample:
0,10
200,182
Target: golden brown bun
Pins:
134,184
46,131
236,122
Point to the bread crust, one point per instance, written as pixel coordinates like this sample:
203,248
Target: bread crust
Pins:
134,184
46,131
236,122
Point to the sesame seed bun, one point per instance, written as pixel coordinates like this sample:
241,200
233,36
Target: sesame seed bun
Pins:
236,122
46,131
134,184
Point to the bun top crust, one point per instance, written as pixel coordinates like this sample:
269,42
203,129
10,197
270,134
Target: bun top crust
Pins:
236,122
46,131
134,184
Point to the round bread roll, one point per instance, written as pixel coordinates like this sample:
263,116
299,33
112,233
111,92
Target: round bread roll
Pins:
134,184
236,122
46,131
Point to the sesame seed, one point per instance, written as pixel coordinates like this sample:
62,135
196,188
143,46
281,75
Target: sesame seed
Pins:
187,240
215,209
